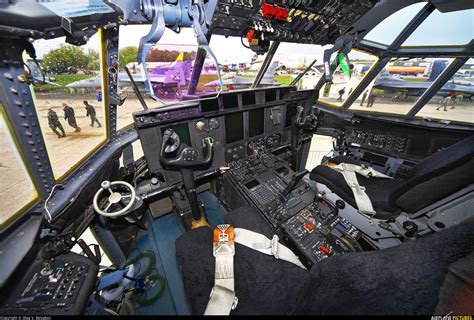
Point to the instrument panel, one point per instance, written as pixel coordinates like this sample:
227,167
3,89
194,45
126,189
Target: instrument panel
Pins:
234,120
302,21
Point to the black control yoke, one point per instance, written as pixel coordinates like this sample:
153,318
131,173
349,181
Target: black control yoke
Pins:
187,160
310,122
300,124
188,157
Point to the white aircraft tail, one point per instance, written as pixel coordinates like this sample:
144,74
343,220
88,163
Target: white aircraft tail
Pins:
269,75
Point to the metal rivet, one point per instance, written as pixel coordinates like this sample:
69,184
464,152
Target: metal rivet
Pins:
37,157
31,142
22,114
13,90
39,164
34,150
8,76
26,125
29,134
18,103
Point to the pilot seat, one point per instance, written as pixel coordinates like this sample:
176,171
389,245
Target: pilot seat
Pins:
432,179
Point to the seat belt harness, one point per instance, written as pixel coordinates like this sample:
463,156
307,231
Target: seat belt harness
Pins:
349,171
222,298
259,242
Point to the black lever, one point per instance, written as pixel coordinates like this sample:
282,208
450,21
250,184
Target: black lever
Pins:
294,181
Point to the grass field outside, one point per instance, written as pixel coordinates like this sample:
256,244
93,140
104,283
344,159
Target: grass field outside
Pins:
61,81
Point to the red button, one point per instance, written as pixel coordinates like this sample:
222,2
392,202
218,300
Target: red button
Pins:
309,227
324,250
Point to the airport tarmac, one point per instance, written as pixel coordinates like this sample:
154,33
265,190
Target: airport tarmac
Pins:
462,112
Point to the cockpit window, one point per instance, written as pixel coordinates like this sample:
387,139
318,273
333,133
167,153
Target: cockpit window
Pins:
170,65
290,60
238,65
455,100
444,29
399,85
388,29
16,189
69,100
336,93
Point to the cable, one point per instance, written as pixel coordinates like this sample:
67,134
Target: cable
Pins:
242,41
46,202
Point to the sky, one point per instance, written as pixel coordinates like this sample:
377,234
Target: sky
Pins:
439,28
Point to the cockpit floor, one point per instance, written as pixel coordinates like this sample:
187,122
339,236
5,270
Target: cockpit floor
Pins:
160,240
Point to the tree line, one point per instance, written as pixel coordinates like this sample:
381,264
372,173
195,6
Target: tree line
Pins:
70,59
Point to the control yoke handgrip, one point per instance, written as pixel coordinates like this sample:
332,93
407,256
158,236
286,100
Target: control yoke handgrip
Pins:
309,122
188,157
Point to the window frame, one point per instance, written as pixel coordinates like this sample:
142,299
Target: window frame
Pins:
105,104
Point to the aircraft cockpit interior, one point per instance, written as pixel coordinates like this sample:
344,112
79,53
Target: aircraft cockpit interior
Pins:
236,157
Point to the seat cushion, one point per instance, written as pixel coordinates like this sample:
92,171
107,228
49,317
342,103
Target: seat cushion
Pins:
401,280
378,189
263,284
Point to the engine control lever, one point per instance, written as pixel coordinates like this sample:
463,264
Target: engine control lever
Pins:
294,181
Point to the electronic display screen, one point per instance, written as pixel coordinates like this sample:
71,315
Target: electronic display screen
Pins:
230,101
291,110
270,95
252,184
248,98
209,105
182,131
256,122
234,127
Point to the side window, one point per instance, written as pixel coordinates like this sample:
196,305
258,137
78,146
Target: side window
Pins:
397,87
69,100
455,100
336,93
16,189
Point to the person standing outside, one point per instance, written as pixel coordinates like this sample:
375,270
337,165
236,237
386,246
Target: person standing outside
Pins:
445,103
341,93
364,96
90,112
70,117
371,100
54,123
